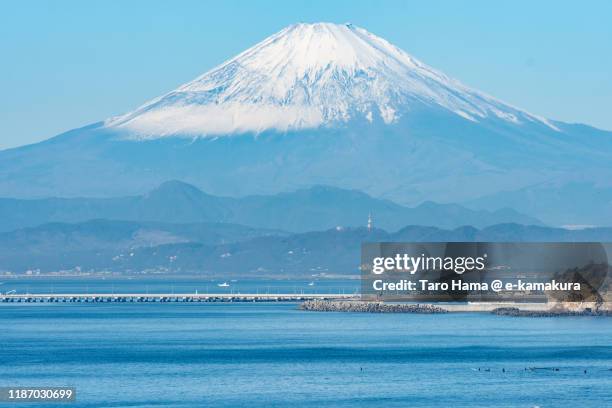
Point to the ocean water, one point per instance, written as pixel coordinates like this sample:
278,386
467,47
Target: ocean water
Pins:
273,355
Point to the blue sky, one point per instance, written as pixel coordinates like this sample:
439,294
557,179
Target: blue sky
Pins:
65,64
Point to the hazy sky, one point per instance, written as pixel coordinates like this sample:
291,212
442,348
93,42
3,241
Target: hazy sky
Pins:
64,64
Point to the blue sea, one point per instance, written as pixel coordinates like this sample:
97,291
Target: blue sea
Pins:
273,355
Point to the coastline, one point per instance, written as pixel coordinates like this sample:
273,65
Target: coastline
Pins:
368,307
500,309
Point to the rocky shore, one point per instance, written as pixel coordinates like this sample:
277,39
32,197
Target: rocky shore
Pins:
368,307
359,306
516,312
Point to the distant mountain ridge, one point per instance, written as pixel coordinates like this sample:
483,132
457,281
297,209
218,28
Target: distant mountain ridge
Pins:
220,250
315,208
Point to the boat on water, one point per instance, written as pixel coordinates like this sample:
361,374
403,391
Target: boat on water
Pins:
311,284
223,285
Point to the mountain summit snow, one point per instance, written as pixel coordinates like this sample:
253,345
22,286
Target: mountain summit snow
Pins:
307,76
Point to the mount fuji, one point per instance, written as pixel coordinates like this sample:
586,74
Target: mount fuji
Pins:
330,104
305,77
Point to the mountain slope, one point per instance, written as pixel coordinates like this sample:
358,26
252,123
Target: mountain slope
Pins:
165,248
333,105
104,243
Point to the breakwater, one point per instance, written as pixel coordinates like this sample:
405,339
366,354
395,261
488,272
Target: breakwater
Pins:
164,298
516,312
321,305
525,310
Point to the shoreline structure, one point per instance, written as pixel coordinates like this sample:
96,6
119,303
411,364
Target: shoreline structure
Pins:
332,303
501,309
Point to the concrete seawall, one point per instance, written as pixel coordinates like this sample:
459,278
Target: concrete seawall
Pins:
516,312
165,298
368,307
504,309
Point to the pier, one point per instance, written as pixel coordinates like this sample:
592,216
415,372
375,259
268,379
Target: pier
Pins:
168,297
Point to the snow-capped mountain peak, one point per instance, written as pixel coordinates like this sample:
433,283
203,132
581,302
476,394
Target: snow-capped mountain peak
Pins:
308,76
